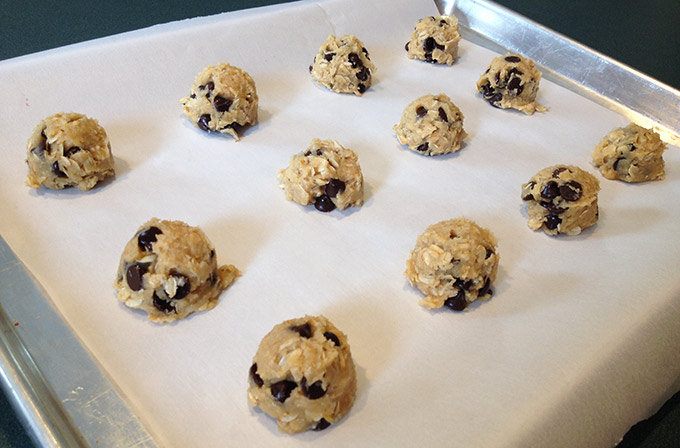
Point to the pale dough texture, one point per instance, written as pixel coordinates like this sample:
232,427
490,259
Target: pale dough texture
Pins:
223,98
561,199
454,263
343,65
303,375
326,174
431,125
631,154
169,269
68,150
435,39
511,81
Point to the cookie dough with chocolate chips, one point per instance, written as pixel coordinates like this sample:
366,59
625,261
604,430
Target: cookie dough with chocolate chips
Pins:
326,174
431,125
303,375
435,40
561,199
454,263
68,150
343,65
631,154
511,81
223,98
169,269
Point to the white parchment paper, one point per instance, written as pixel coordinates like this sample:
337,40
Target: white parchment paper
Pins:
579,341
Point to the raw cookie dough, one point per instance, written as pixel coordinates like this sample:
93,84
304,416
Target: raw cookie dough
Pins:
68,150
223,98
326,174
561,199
454,263
631,154
303,375
511,81
435,40
169,269
431,125
342,65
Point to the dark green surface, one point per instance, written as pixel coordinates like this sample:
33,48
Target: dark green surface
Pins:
644,35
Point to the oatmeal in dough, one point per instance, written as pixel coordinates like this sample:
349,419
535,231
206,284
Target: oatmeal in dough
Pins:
303,375
342,65
431,125
631,154
326,174
511,82
435,39
223,98
561,199
169,269
68,150
454,263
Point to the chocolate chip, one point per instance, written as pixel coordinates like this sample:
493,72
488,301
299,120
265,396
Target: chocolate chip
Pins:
442,115
322,424
212,253
162,305
313,392
209,85
192,96
146,238
281,390
529,197
514,71
421,111
530,185
486,90
571,191
551,190
552,208
556,172
457,303
512,59
363,74
257,379
328,56
424,147
631,146
305,330
616,162
361,88
406,46
221,103
203,122
463,284
365,52
310,69
40,149
72,150
334,187
56,170
355,60
552,221
429,58
213,278
134,274
486,289
429,44
332,337
181,291
495,99
324,203
514,84
489,253
442,22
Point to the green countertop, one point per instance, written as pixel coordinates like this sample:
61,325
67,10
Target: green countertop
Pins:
643,35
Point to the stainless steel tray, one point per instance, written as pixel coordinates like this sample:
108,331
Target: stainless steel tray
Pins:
65,399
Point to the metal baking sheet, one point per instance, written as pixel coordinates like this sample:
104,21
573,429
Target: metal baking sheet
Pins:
68,399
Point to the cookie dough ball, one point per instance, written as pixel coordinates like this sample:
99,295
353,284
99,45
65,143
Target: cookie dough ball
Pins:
454,263
303,375
631,154
169,269
223,98
435,40
431,125
511,81
561,199
342,65
68,150
326,174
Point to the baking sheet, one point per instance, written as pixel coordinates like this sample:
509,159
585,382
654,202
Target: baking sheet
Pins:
577,344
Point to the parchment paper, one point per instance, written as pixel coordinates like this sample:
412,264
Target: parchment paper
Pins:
579,341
